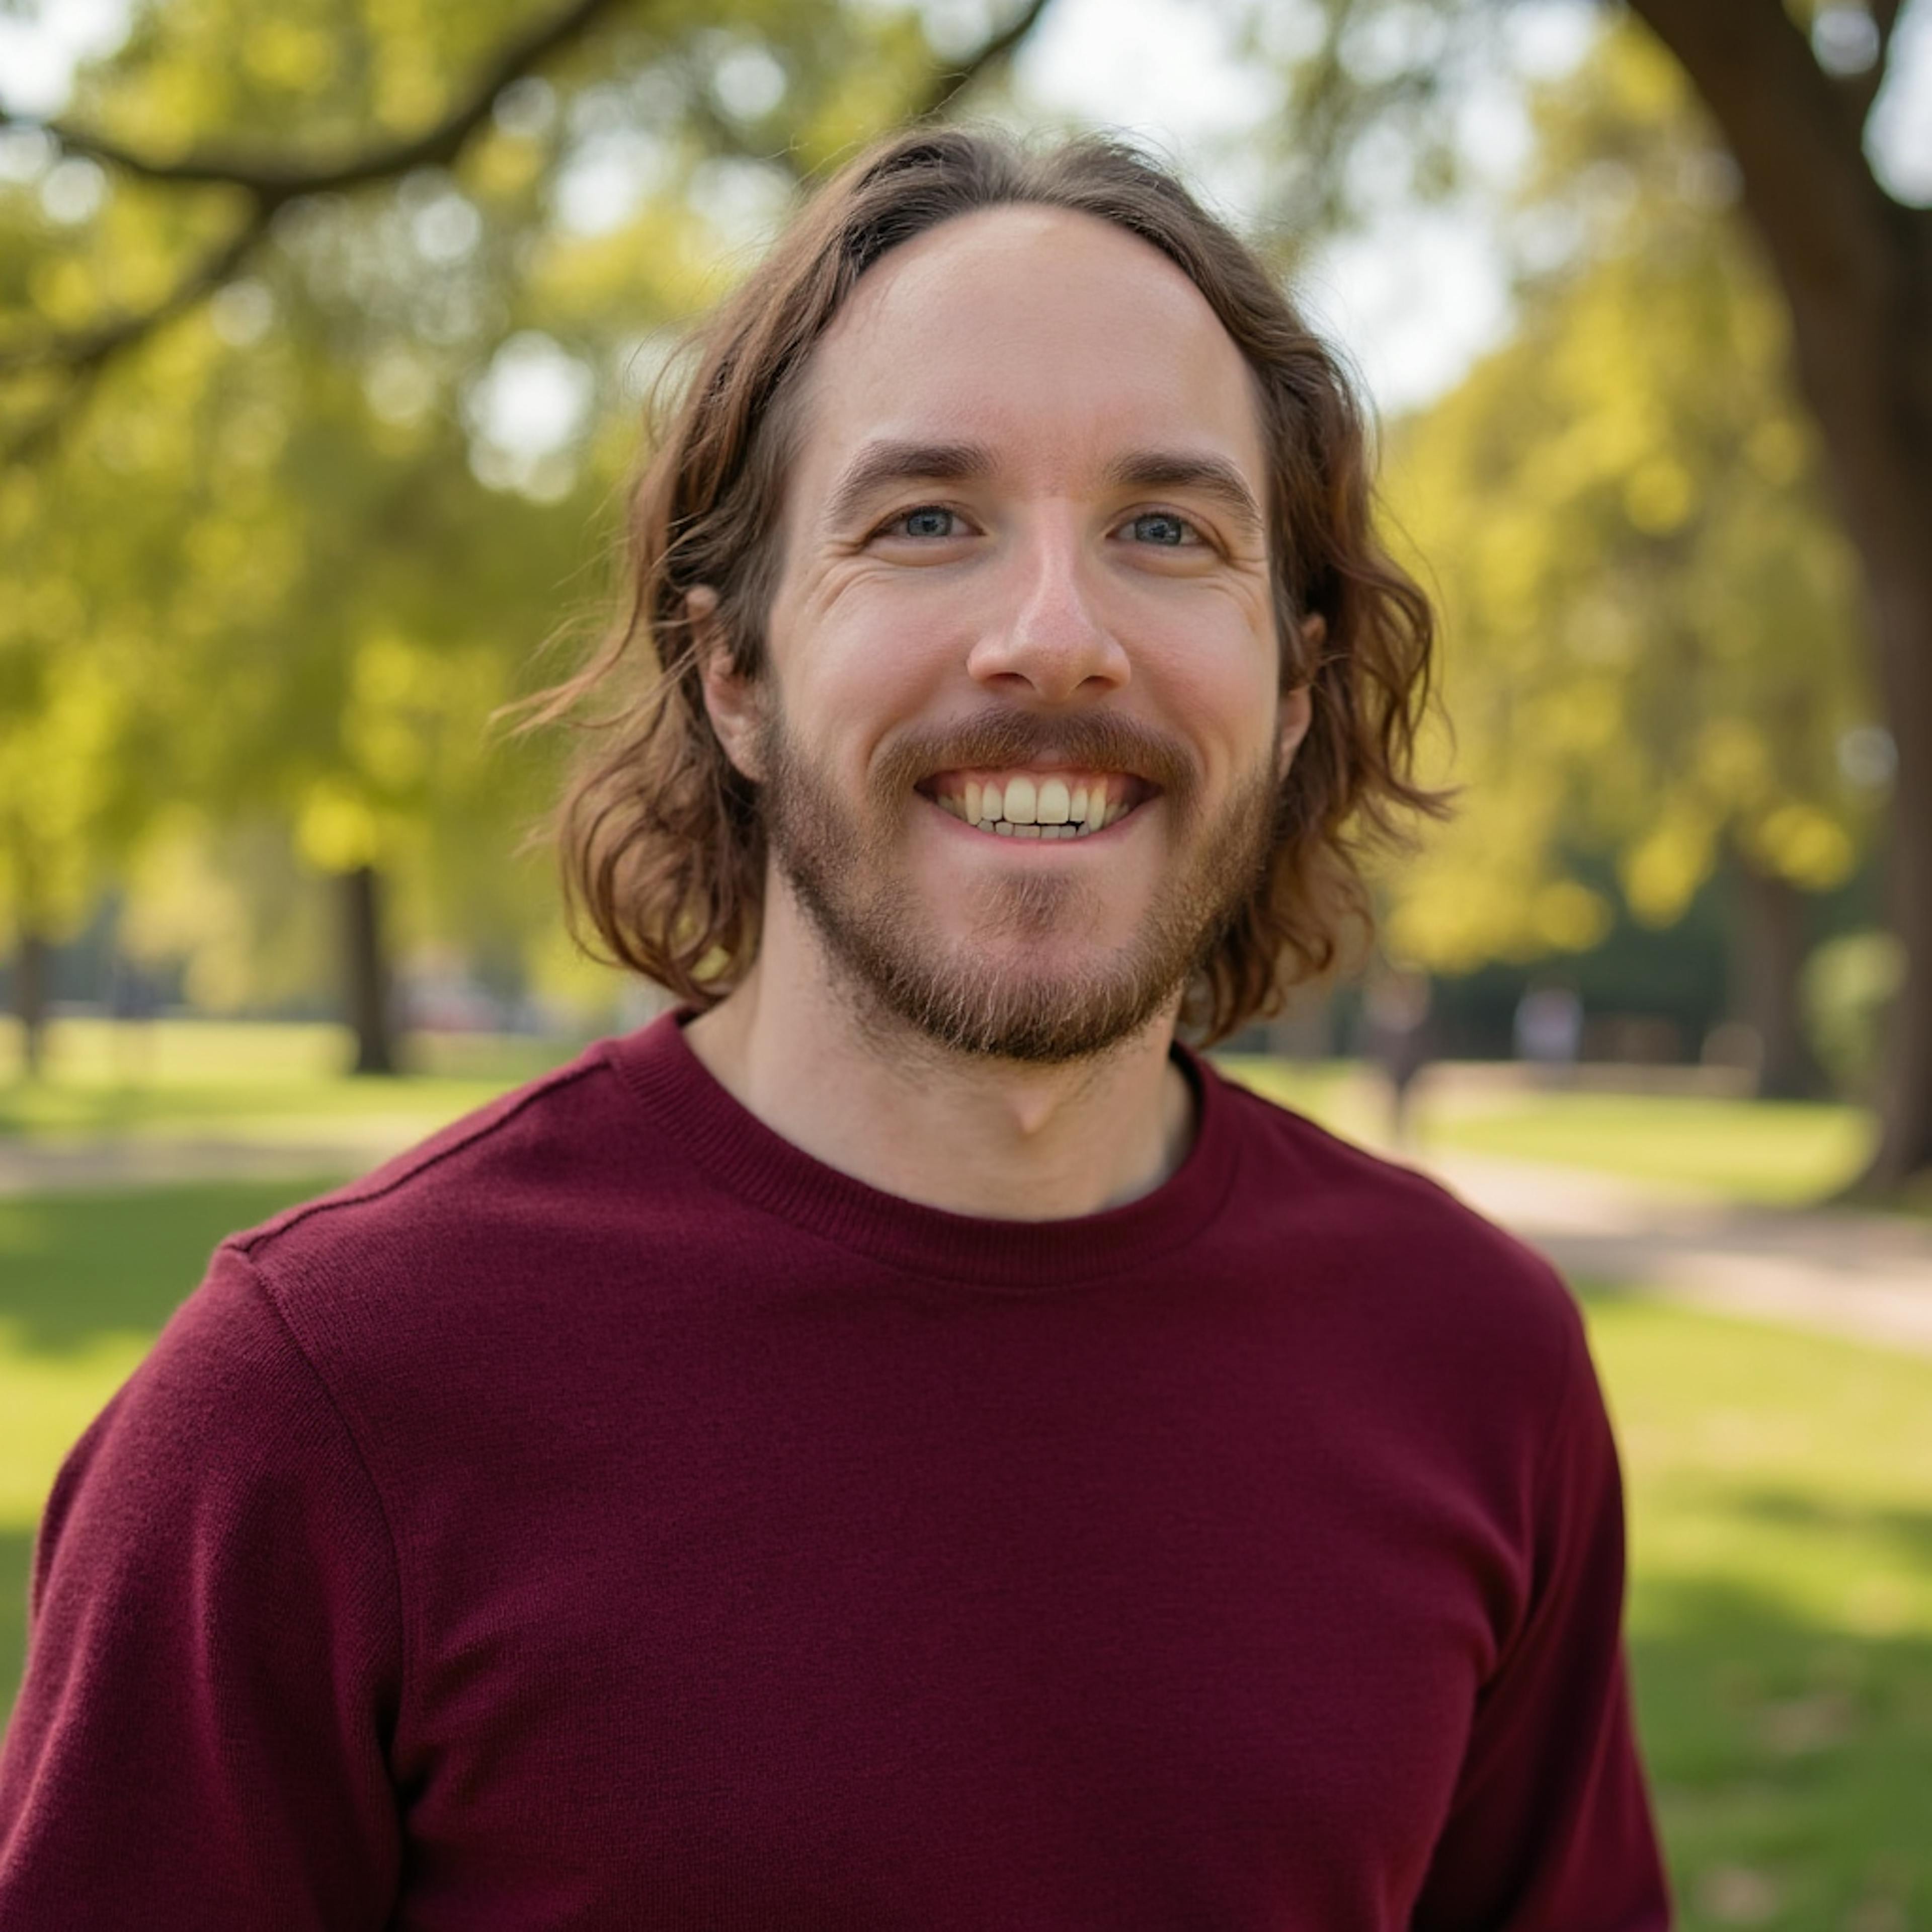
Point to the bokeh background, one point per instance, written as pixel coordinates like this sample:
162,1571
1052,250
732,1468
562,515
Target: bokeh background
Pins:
325,334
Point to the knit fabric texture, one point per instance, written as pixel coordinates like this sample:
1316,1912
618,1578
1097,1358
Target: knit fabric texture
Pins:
607,1516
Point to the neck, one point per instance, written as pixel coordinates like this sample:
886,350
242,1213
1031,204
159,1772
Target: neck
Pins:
879,1101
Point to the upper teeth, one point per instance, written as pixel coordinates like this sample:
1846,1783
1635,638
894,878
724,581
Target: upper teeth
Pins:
1017,805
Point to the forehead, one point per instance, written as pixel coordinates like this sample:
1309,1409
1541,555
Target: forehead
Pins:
1055,339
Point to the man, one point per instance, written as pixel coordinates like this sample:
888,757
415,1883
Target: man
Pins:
900,1443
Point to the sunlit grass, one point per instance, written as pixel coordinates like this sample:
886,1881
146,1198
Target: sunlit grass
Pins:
181,1076
257,1081
1780,1495
1781,1505
1342,1095
1768,1151
1778,1151
85,1282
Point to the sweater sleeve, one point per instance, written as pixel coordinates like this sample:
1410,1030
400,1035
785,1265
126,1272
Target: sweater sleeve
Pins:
1549,1829
214,1658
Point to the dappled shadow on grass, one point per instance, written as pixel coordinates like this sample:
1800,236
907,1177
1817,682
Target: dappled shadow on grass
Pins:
78,1271
75,1267
1791,1761
1909,1531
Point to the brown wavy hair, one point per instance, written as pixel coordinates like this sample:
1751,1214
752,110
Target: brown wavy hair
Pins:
662,839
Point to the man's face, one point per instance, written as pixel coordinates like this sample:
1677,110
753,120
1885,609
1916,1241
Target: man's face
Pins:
1021,732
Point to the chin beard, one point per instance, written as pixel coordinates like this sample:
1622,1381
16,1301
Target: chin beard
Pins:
837,863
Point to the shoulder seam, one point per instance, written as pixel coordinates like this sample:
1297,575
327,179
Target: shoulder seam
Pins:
258,1282
247,1246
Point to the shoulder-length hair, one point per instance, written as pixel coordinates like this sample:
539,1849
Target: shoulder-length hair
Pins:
662,839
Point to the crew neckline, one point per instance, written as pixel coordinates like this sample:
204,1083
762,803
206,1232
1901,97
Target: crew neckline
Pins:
732,1148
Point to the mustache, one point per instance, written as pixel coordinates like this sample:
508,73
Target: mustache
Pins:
1096,741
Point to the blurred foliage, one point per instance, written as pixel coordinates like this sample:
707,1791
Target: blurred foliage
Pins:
1378,97
1651,648
1850,983
272,568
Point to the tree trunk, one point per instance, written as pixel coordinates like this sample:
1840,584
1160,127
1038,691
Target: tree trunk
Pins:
1885,483
32,960
366,978
1883,463
1769,945
1855,267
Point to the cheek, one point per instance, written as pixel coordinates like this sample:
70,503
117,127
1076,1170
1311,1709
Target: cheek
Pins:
876,656
1217,675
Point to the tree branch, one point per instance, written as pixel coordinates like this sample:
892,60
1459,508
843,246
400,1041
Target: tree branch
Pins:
1809,187
946,88
272,182
949,85
269,186
86,350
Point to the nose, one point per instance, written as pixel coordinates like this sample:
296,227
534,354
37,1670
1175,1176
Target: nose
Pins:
1044,637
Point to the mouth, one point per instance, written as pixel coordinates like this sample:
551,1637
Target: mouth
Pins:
1024,803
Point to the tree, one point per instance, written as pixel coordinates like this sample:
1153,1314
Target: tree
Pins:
79,755
1651,636
291,362
1790,89
1856,266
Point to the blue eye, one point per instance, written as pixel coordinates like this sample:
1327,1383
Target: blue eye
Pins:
929,520
1160,527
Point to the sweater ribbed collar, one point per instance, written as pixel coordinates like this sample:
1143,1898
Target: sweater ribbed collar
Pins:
734,1150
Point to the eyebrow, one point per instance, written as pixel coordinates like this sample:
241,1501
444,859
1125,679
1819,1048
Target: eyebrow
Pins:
881,463
1213,476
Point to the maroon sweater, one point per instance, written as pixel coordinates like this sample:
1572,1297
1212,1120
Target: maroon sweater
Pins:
606,1515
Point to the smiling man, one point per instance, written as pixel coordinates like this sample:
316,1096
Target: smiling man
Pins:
900,1443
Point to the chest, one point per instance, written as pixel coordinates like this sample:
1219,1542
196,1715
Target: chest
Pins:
953,1649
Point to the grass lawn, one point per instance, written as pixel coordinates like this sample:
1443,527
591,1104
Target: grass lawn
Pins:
1777,1151
267,1082
1780,1618
1781,1508
85,1282
191,1076
1787,1153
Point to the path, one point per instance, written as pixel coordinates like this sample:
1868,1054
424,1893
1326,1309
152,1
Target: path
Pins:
1868,1276
278,1149
1865,1276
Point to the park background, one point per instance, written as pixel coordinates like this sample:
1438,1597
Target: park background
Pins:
324,332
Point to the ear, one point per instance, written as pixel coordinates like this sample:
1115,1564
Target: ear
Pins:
733,702
1298,703
1298,713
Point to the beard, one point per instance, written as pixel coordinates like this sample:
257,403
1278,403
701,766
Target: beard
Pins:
957,994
